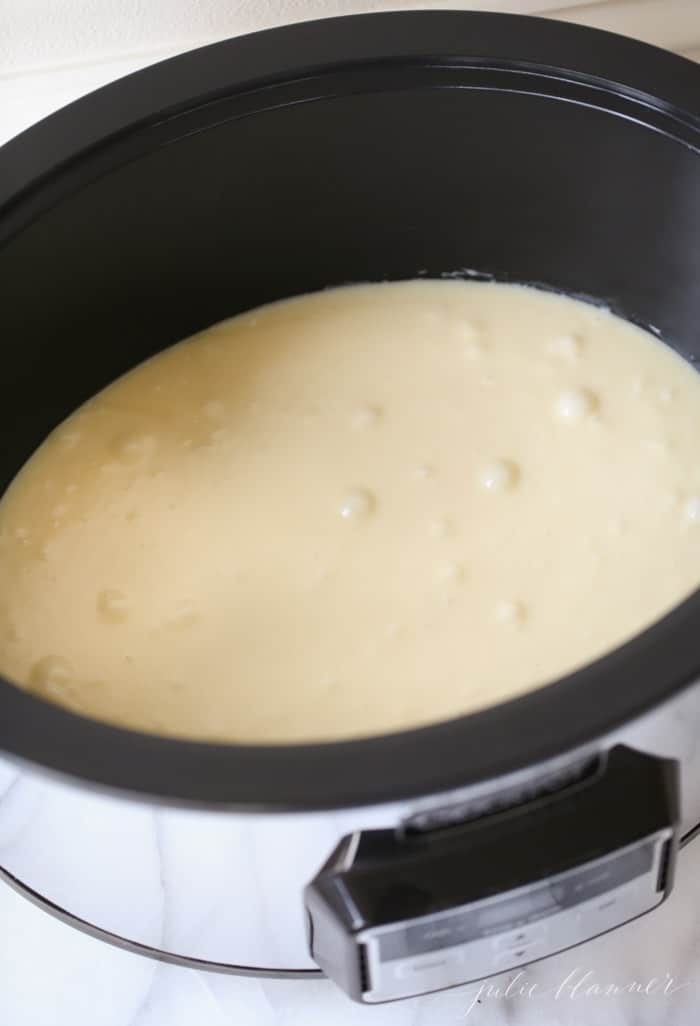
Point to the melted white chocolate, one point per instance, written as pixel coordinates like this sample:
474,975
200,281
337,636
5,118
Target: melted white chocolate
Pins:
353,512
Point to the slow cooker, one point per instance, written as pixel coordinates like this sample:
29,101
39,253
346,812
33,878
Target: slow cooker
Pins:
366,148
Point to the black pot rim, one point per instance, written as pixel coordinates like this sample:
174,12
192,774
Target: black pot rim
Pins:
541,724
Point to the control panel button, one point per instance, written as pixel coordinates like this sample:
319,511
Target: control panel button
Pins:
438,961
515,956
519,938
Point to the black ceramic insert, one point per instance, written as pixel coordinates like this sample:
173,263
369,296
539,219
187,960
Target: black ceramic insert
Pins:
353,149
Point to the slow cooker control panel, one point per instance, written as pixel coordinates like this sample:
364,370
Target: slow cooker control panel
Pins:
393,914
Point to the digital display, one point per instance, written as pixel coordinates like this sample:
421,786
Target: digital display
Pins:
509,911
523,907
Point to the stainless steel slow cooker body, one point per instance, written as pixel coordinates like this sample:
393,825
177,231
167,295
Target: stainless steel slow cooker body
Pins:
363,148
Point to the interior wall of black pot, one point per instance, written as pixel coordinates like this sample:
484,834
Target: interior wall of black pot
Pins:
347,188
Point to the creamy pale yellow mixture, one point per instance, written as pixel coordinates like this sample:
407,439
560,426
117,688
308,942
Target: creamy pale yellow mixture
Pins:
352,512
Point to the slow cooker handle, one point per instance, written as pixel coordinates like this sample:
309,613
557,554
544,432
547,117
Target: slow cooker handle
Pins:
393,914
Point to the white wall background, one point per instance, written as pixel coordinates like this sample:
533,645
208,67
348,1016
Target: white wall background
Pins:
51,51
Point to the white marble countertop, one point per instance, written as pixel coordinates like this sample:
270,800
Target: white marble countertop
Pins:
644,974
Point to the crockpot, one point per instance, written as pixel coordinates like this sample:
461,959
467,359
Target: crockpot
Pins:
374,147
